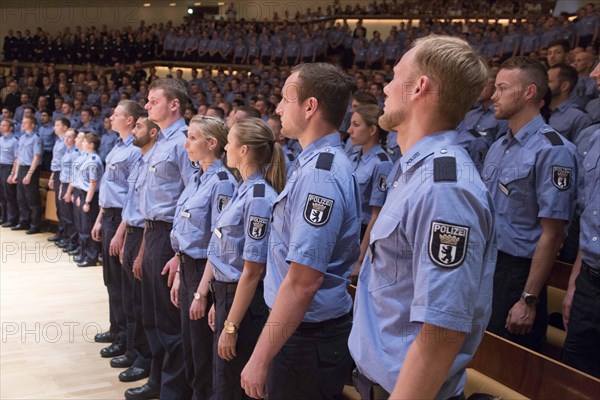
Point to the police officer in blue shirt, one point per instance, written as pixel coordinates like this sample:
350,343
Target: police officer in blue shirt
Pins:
314,243
27,178
109,228
415,329
566,118
70,233
138,349
59,149
198,208
74,192
238,252
580,313
9,151
371,168
531,173
168,172
91,172
108,139
46,132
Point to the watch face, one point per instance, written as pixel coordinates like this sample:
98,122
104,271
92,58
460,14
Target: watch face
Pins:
197,296
530,300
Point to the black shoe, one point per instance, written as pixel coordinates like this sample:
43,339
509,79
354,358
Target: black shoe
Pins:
104,337
74,252
145,392
121,362
61,244
33,231
133,374
9,224
114,350
55,238
78,259
88,263
20,227
70,248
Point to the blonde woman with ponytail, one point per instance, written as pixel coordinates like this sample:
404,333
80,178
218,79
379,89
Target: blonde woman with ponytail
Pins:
238,251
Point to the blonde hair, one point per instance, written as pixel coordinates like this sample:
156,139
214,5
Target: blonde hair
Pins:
212,128
267,153
457,71
370,113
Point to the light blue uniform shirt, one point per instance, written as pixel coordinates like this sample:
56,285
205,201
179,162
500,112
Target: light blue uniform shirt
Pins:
316,222
483,122
198,208
46,132
371,170
589,238
593,109
585,90
132,212
76,165
431,260
169,170
9,148
392,147
66,164
569,120
58,151
532,175
30,145
119,163
242,231
91,169
107,143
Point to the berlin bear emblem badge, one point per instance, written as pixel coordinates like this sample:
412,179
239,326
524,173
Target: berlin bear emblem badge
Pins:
317,209
448,244
257,228
561,177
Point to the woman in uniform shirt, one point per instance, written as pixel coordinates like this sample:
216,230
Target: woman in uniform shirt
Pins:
371,168
204,198
238,252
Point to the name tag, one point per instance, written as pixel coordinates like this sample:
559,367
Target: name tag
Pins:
112,166
5,149
152,169
371,252
185,214
218,233
504,189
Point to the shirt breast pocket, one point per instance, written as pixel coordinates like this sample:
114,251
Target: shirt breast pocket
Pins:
383,252
115,168
195,219
518,189
231,220
166,169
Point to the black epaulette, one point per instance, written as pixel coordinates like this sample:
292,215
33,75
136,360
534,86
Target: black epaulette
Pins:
383,157
222,175
475,133
93,157
554,138
259,190
185,132
290,157
444,169
325,161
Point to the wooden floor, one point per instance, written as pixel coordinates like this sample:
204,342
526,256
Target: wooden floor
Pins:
50,311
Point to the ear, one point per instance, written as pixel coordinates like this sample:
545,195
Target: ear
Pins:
373,130
311,105
530,92
176,105
564,86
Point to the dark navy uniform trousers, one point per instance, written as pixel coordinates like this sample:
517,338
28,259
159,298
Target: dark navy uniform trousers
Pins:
29,197
8,196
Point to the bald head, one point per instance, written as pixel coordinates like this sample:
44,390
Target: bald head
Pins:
583,63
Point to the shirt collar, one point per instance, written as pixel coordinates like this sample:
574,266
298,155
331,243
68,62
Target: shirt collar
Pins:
211,170
370,153
171,129
423,148
250,182
564,105
324,142
523,135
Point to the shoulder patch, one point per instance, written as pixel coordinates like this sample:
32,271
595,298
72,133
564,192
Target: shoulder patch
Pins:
382,183
553,138
561,177
222,175
317,209
325,161
258,190
448,244
257,227
383,157
222,202
444,169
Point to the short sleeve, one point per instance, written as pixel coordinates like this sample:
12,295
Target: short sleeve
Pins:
556,183
221,196
379,183
37,146
257,226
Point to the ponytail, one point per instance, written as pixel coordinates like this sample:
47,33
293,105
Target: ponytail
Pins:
275,174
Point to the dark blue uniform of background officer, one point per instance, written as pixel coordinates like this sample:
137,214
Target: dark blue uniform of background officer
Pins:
531,173
204,198
314,244
168,172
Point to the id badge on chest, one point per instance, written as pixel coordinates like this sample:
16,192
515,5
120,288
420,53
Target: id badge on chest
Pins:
185,214
503,188
218,233
152,169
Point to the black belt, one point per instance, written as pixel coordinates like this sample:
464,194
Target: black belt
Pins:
112,210
230,287
589,271
185,259
159,225
323,325
132,229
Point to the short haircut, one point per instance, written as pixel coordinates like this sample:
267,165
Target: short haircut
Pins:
65,121
328,85
457,71
92,138
365,98
533,72
31,118
10,122
173,89
250,112
149,124
132,108
218,110
566,73
560,42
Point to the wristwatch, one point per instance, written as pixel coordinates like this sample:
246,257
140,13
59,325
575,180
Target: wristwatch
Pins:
198,296
87,203
230,327
529,299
